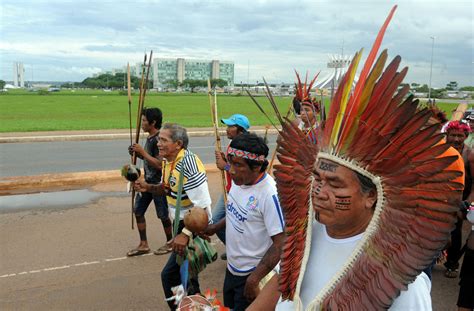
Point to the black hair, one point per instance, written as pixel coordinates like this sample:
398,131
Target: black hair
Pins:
296,105
366,184
153,114
241,129
252,143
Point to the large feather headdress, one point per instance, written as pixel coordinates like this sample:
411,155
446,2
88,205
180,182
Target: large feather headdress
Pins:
303,92
376,130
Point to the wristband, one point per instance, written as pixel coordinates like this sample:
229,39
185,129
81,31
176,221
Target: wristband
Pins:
227,167
187,232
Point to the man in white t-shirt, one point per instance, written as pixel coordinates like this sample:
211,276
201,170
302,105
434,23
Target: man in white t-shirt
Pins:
253,223
344,205
366,209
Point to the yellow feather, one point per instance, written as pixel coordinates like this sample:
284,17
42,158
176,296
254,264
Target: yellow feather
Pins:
344,100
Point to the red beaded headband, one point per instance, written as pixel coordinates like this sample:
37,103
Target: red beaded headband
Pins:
245,154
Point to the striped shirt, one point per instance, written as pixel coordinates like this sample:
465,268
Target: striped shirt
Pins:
195,187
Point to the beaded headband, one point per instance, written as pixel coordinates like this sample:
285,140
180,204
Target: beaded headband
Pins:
245,154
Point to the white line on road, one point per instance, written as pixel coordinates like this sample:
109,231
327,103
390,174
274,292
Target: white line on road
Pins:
115,259
7,275
86,263
56,268
81,264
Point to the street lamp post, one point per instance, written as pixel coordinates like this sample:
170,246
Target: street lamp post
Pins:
431,67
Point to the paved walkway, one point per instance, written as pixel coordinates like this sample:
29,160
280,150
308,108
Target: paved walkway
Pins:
22,137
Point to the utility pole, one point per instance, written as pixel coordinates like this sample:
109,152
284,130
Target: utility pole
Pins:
431,67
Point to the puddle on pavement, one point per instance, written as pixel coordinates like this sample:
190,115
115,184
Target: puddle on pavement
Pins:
46,200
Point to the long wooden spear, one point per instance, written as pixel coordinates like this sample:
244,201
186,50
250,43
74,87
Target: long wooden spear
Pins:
215,124
141,102
139,111
129,91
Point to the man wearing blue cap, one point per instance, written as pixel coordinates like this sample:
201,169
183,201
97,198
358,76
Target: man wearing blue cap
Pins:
236,125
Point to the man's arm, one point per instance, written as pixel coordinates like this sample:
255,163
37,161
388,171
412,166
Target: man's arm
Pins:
221,161
268,296
213,228
143,186
268,262
141,152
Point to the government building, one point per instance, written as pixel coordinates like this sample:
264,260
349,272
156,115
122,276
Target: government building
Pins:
180,69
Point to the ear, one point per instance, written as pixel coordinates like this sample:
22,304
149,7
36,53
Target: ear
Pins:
371,199
179,144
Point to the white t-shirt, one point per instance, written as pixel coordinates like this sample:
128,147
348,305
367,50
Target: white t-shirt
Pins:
329,256
253,216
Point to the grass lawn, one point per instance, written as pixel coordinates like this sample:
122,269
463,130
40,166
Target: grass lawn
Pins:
23,111
89,110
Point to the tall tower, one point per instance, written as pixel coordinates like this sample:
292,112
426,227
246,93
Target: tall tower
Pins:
18,75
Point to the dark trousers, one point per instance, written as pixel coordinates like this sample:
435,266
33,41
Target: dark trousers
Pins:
466,298
454,251
429,270
234,291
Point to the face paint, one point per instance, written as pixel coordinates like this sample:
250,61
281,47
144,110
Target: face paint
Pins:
318,188
326,166
343,202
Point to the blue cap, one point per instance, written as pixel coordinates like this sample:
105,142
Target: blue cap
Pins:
237,119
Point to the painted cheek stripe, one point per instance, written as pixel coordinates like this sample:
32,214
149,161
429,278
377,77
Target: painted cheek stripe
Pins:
343,203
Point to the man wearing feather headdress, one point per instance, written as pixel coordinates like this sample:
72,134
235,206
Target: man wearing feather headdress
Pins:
307,109
456,134
366,209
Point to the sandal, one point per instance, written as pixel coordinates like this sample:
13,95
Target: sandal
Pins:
451,273
165,249
138,252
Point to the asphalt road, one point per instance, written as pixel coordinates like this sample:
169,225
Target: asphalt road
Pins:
34,158
56,258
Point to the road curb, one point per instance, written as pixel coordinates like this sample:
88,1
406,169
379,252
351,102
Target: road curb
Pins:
104,136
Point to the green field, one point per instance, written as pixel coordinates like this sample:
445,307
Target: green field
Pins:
90,110
23,111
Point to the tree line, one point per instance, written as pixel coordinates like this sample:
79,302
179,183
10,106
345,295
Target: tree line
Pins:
119,81
439,92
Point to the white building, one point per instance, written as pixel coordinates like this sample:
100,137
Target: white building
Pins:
340,64
18,75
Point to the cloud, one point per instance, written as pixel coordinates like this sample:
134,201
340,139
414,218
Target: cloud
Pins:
263,38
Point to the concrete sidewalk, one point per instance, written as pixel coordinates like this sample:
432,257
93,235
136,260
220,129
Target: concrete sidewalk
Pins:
66,181
24,137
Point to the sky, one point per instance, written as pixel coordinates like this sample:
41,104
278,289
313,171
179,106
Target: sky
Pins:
71,40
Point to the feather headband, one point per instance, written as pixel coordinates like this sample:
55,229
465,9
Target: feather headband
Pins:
374,129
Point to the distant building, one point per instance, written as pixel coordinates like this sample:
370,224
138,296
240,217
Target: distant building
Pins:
340,64
180,69
18,75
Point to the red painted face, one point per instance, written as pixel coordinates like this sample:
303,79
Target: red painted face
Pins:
338,200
